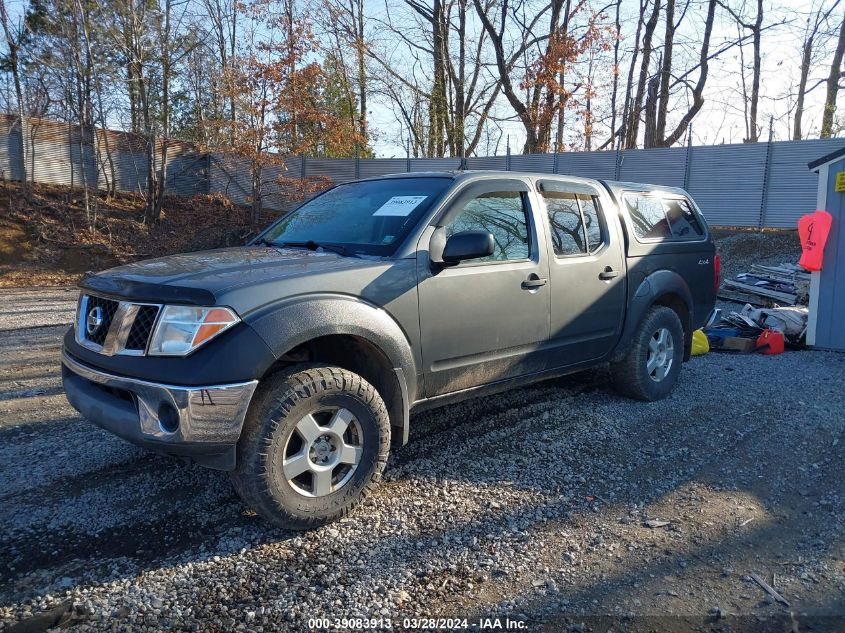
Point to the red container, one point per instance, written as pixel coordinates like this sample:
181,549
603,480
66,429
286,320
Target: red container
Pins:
770,342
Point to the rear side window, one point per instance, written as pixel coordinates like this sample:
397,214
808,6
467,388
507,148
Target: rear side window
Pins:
503,214
682,218
575,223
658,217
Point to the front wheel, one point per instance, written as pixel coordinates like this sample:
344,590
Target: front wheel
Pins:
315,442
650,368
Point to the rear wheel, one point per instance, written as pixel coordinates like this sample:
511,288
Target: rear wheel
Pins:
650,368
315,442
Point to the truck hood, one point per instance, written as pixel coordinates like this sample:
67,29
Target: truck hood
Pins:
199,278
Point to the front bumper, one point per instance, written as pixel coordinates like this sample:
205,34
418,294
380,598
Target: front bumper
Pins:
203,423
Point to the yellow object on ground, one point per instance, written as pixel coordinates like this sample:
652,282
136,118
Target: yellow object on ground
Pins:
700,344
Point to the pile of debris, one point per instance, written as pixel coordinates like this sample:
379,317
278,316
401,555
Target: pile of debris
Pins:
787,284
775,310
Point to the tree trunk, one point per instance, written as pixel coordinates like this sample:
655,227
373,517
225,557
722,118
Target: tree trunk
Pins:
437,102
833,85
698,89
14,65
802,88
754,134
634,116
650,137
166,71
615,89
665,73
362,73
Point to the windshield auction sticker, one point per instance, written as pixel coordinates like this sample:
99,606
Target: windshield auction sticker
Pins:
400,205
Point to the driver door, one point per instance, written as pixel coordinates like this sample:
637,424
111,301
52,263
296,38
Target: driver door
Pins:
484,320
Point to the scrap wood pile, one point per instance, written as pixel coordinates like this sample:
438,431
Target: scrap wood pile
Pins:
774,315
787,284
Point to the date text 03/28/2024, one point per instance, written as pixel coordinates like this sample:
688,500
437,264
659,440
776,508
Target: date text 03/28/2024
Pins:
422,623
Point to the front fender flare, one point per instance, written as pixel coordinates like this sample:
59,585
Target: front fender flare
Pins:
287,324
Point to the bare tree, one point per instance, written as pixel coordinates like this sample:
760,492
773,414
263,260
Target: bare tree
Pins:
223,19
14,39
537,100
755,28
637,102
815,23
833,84
657,106
615,90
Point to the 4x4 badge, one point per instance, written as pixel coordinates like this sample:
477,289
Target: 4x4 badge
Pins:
94,319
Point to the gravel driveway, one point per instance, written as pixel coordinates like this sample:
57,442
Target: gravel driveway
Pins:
533,504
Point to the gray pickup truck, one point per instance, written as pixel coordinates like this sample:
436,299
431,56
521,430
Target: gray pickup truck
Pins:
295,362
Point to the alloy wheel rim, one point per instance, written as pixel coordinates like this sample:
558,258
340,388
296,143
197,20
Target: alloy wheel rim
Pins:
661,354
323,452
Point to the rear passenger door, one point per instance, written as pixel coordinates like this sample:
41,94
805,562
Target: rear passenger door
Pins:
586,273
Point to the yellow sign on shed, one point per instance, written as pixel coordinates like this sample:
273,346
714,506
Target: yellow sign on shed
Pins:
840,182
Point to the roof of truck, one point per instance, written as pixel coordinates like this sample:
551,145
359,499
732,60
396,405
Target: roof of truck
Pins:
617,186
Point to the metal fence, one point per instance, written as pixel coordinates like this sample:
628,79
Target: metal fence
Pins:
747,185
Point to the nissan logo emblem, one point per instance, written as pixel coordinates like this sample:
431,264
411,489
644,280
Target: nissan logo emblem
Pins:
94,320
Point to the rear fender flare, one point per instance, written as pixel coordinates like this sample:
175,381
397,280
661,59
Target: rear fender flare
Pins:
656,285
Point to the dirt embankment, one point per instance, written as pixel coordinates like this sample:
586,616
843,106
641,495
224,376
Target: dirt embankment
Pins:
50,239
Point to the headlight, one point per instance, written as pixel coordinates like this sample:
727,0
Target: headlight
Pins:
182,329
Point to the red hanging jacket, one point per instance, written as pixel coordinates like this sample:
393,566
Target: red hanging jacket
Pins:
813,230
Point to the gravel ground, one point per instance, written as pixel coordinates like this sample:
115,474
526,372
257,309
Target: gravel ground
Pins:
532,505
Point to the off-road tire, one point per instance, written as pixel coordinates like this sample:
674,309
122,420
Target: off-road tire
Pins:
281,400
630,375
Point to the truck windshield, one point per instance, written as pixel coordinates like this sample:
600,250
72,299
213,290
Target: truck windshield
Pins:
368,217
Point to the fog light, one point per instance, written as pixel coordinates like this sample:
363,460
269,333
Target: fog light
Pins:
168,417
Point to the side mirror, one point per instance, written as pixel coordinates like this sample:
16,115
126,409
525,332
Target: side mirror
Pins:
468,245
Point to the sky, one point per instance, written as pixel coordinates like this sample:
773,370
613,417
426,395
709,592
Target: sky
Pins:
721,118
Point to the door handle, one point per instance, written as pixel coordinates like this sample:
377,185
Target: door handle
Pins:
608,273
534,282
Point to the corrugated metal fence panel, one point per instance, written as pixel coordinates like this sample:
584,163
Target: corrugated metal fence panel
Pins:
130,170
11,158
435,164
533,162
486,162
373,167
588,164
282,183
60,154
186,174
229,176
654,166
726,182
791,186
337,169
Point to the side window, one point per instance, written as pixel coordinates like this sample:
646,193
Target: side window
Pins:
682,219
567,229
575,223
647,216
592,221
503,214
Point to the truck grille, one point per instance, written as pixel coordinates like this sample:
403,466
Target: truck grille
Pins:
142,327
107,308
113,327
